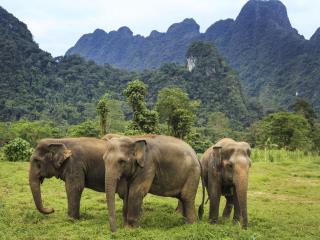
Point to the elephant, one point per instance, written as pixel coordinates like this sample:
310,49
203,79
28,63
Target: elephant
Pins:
160,165
77,161
225,170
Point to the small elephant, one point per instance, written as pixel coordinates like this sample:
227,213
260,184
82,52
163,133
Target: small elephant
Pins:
77,161
225,171
160,165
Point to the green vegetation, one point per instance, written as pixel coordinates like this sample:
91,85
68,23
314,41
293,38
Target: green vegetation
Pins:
87,128
286,130
177,111
17,150
283,203
103,111
144,120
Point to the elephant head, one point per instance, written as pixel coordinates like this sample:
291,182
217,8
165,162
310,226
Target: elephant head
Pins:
46,162
232,161
122,159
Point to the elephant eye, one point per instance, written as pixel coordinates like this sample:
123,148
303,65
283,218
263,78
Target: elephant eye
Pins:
229,165
122,161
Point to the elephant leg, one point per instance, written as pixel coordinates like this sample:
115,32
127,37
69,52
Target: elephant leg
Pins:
188,195
189,210
74,190
228,208
236,216
137,191
214,190
122,190
179,208
214,209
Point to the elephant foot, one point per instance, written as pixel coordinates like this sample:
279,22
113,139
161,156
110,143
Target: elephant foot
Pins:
214,221
131,223
73,217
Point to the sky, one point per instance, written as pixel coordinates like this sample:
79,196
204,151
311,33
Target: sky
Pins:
56,25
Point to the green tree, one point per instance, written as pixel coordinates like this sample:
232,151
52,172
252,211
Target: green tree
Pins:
177,110
32,131
144,120
218,126
17,150
103,111
285,129
304,107
87,128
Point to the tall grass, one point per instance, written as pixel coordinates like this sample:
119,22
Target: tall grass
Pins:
281,155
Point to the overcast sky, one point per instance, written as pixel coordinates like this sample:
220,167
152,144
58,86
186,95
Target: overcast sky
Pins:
57,24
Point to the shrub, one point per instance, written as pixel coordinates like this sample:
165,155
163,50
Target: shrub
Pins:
17,150
199,143
88,128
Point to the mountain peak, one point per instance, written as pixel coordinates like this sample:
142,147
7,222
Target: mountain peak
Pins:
262,12
316,37
125,31
188,25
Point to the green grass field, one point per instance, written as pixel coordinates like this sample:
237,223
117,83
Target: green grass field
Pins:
283,203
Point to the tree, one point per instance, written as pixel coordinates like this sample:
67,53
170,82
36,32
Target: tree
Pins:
144,120
103,111
87,128
218,126
304,107
32,131
17,150
177,110
285,129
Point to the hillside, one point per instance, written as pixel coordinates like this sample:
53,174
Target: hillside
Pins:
274,61
66,89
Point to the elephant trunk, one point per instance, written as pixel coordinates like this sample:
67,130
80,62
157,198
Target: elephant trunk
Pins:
241,185
34,182
111,185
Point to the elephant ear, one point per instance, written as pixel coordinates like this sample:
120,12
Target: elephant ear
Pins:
217,162
140,152
60,153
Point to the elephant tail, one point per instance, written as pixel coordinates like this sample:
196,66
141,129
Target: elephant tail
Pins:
201,207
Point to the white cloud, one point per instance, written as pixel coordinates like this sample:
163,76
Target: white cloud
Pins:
58,24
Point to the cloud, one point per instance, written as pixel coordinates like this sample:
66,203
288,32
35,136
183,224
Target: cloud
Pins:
58,24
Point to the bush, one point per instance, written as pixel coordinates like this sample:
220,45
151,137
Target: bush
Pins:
199,143
17,150
88,128
285,129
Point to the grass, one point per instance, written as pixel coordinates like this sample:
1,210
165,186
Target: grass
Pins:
283,202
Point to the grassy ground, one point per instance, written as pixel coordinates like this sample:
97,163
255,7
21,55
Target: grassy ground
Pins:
284,203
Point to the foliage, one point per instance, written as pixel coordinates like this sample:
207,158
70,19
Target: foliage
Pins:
285,129
276,191
17,150
198,142
177,110
218,126
87,128
303,106
144,120
103,111
31,131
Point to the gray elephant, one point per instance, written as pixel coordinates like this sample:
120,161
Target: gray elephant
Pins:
160,165
77,161
225,170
